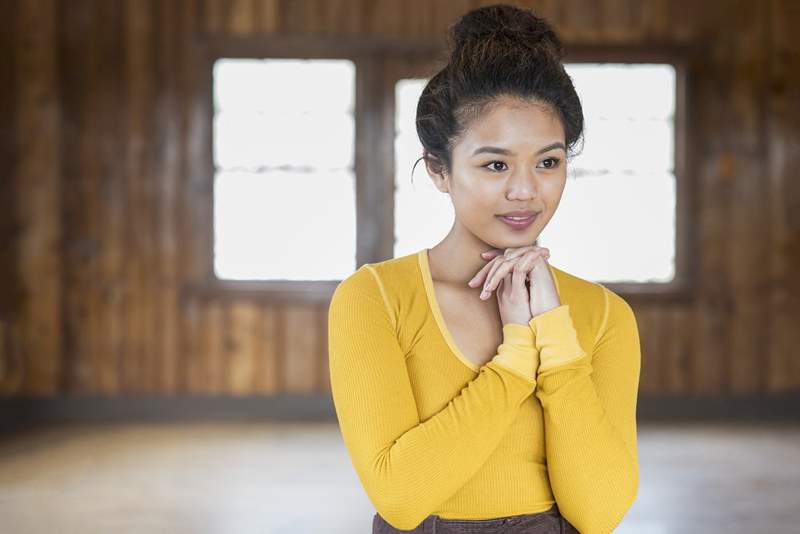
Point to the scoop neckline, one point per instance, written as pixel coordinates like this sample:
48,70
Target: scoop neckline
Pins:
433,305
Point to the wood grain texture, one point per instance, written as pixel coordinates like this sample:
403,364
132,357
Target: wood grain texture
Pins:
107,111
782,163
139,116
38,187
300,349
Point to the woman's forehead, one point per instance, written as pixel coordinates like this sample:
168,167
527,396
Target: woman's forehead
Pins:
513,127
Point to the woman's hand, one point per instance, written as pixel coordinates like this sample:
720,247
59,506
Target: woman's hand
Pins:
543,295
509,272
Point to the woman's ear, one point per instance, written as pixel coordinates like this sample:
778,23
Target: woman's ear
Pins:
440,181
437,172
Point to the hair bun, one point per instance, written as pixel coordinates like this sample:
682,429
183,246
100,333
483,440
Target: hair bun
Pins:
496,51
503,22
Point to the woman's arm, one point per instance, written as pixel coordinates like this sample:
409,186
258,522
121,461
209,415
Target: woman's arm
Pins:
408,467
590,414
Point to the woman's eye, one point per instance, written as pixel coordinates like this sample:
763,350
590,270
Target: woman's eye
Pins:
549,163
555,162
493,163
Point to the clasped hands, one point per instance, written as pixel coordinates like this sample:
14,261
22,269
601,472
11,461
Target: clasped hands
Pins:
507,272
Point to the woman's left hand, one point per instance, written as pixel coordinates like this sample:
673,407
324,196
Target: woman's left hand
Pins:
543,292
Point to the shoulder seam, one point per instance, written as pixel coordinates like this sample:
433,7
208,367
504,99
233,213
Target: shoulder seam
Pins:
377,277
604,322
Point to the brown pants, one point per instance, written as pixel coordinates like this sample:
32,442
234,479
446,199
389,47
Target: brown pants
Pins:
547,522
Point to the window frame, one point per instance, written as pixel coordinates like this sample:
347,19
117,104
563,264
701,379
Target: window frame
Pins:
380,62
682,57
374,123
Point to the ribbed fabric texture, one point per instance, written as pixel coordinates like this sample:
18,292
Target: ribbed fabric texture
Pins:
550,418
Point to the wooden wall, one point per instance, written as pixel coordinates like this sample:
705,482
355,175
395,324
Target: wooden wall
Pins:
99,115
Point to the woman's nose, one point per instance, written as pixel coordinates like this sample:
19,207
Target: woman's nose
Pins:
522,185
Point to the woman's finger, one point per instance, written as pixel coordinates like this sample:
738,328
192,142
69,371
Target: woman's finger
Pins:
490,277
478,278
503,289
494,278
506,265
506,253
518,278
512,253
481,275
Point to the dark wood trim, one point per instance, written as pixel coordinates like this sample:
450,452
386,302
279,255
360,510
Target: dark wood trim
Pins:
11,295
374,162
306,46
649,52
265,291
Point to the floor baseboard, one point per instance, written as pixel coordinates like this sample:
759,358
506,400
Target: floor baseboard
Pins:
25,411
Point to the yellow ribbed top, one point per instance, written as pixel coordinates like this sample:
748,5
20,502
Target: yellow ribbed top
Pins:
550,418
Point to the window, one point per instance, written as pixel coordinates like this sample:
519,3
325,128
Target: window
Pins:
284,177
625,173
290,126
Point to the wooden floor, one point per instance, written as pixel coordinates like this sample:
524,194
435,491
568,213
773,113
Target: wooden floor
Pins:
296,478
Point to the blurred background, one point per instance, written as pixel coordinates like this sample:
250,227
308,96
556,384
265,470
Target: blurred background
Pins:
185,182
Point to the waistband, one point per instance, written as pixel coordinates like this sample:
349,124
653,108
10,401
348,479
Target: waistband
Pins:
432,522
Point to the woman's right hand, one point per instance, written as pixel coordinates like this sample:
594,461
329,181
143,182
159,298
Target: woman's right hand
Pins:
508,273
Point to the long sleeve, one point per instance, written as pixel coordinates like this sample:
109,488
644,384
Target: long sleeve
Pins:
408,467
589,408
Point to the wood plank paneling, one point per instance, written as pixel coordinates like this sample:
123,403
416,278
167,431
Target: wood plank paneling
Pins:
783,162
650,335
215,328
138,152
80,243
245,347
674,350
106,111
38,187
749,229
266,374
12,360
104,156
299,349
174,20
191,377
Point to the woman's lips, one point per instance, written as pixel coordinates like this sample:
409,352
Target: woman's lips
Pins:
517,223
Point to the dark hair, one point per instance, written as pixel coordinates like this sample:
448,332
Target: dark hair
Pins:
496,50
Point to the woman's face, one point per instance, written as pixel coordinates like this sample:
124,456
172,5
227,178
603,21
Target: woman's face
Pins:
510,158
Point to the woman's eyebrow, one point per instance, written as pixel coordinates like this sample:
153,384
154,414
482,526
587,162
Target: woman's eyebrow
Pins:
506,152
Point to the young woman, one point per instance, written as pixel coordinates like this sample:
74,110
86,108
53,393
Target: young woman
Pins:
467,413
